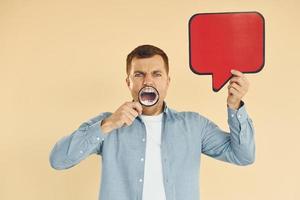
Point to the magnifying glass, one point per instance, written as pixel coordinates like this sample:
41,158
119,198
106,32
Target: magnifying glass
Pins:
148,96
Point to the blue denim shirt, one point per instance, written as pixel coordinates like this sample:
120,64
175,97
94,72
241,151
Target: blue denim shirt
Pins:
185,135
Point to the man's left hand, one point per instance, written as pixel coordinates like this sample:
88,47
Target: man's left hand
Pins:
237,88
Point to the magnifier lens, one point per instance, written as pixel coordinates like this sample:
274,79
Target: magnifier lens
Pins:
148,96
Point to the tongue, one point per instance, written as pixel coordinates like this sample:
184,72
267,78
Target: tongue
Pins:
148,96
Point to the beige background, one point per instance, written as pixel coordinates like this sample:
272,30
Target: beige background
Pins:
63,62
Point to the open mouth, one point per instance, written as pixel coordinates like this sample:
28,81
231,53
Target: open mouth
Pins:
148,96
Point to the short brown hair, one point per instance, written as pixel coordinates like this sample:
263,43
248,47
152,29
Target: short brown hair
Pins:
146,51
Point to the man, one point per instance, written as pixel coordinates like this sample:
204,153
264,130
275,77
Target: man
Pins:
153,152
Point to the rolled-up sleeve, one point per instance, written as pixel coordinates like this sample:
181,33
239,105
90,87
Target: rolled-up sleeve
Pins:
238,146
81,143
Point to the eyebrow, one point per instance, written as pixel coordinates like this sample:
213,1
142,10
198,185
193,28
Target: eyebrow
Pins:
138,72
155,71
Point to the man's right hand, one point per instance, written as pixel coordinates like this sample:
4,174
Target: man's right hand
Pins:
125,114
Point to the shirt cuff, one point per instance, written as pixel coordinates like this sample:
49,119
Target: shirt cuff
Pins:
237,116
93,130
96,132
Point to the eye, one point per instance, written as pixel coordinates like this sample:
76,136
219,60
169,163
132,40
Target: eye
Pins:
138,75
157,74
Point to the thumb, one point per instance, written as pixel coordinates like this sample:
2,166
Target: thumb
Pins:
137,106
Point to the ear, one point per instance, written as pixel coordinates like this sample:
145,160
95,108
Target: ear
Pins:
127,81
169,80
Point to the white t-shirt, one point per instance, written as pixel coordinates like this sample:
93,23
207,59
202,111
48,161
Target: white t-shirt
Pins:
153,188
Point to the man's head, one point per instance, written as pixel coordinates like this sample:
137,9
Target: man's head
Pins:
146,51
148,65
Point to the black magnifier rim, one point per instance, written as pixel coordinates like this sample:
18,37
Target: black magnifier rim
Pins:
154,102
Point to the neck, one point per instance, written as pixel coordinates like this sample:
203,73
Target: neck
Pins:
153,110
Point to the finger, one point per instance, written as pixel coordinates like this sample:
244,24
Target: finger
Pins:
243,83
128,114
131,111
240,81
236,86
237,73
234,92
137,106
126,120
241,75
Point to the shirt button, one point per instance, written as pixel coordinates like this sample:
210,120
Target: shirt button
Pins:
142,159
81,151
232,115
239,116
141,180
143,139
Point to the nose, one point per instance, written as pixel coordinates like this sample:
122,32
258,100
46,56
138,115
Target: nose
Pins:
148,80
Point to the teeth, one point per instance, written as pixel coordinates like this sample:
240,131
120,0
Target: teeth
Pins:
148,89
147,102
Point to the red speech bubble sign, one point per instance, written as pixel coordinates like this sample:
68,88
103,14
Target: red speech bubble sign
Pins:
220,42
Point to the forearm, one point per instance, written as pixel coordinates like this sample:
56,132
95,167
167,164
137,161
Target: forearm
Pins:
84,141
241,136
237,146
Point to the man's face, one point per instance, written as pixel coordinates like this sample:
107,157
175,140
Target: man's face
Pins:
148,72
